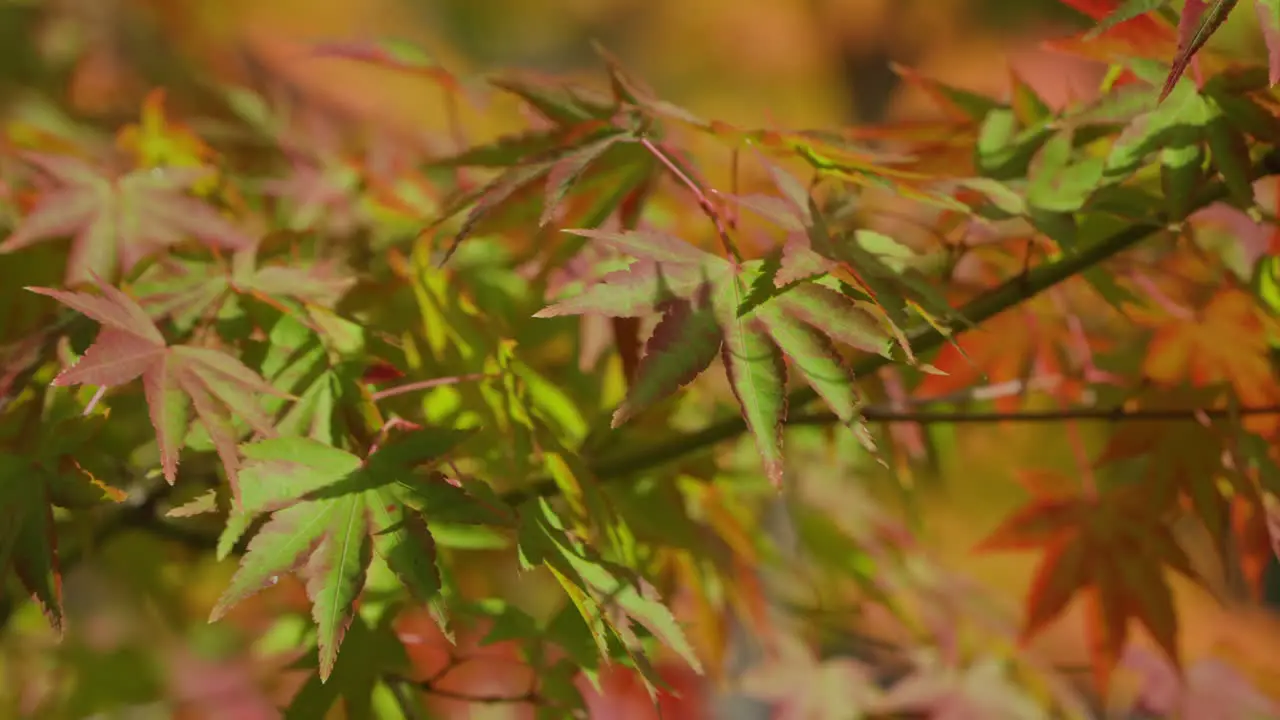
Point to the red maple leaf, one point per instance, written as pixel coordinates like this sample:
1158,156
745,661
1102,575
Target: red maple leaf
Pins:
1110,549
1146,35
1143,31
115,221
176,378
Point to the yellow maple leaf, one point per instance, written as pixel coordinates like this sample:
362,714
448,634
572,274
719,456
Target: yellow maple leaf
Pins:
157,141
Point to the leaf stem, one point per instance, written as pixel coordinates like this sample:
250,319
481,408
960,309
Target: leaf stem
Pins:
704,202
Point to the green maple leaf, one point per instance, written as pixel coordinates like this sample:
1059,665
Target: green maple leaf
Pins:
31,485
609,146
711,306
541,170
177,379
595,586
187,289
296,359
1195,130
330,511
27,539
117,221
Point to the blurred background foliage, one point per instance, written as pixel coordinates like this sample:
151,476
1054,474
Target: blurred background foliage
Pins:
137,612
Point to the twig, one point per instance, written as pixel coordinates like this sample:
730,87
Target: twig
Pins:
704,202
926,417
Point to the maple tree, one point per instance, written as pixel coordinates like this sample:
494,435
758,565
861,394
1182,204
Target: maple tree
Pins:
442,414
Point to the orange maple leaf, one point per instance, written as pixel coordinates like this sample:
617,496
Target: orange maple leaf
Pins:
1225,342
1112,550
1016,345
1249,522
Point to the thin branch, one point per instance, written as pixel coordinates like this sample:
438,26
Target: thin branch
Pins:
926,417
704,202
1009,295
886,414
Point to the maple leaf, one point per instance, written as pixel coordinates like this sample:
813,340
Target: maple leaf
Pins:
1020,344
187,289
1111,549
31,485
1225,342
606,595
609,147
1193,124
28,541
1210,688
322,192
392,53
1184,460
156,141
175,378
942,692
544,167
117,221
712,306
885,271
1269,19
1129,20
1199,21
840,157
330,511
799,685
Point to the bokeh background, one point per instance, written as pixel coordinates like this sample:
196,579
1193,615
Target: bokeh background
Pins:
140,646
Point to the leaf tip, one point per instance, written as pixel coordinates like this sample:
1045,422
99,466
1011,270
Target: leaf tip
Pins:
218,612
775,471
620,416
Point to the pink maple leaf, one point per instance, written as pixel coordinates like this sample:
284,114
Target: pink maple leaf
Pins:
175,378
115,221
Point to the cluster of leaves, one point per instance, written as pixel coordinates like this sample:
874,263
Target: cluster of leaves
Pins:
362,365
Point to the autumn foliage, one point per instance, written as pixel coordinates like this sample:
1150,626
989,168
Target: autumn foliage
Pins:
506,417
